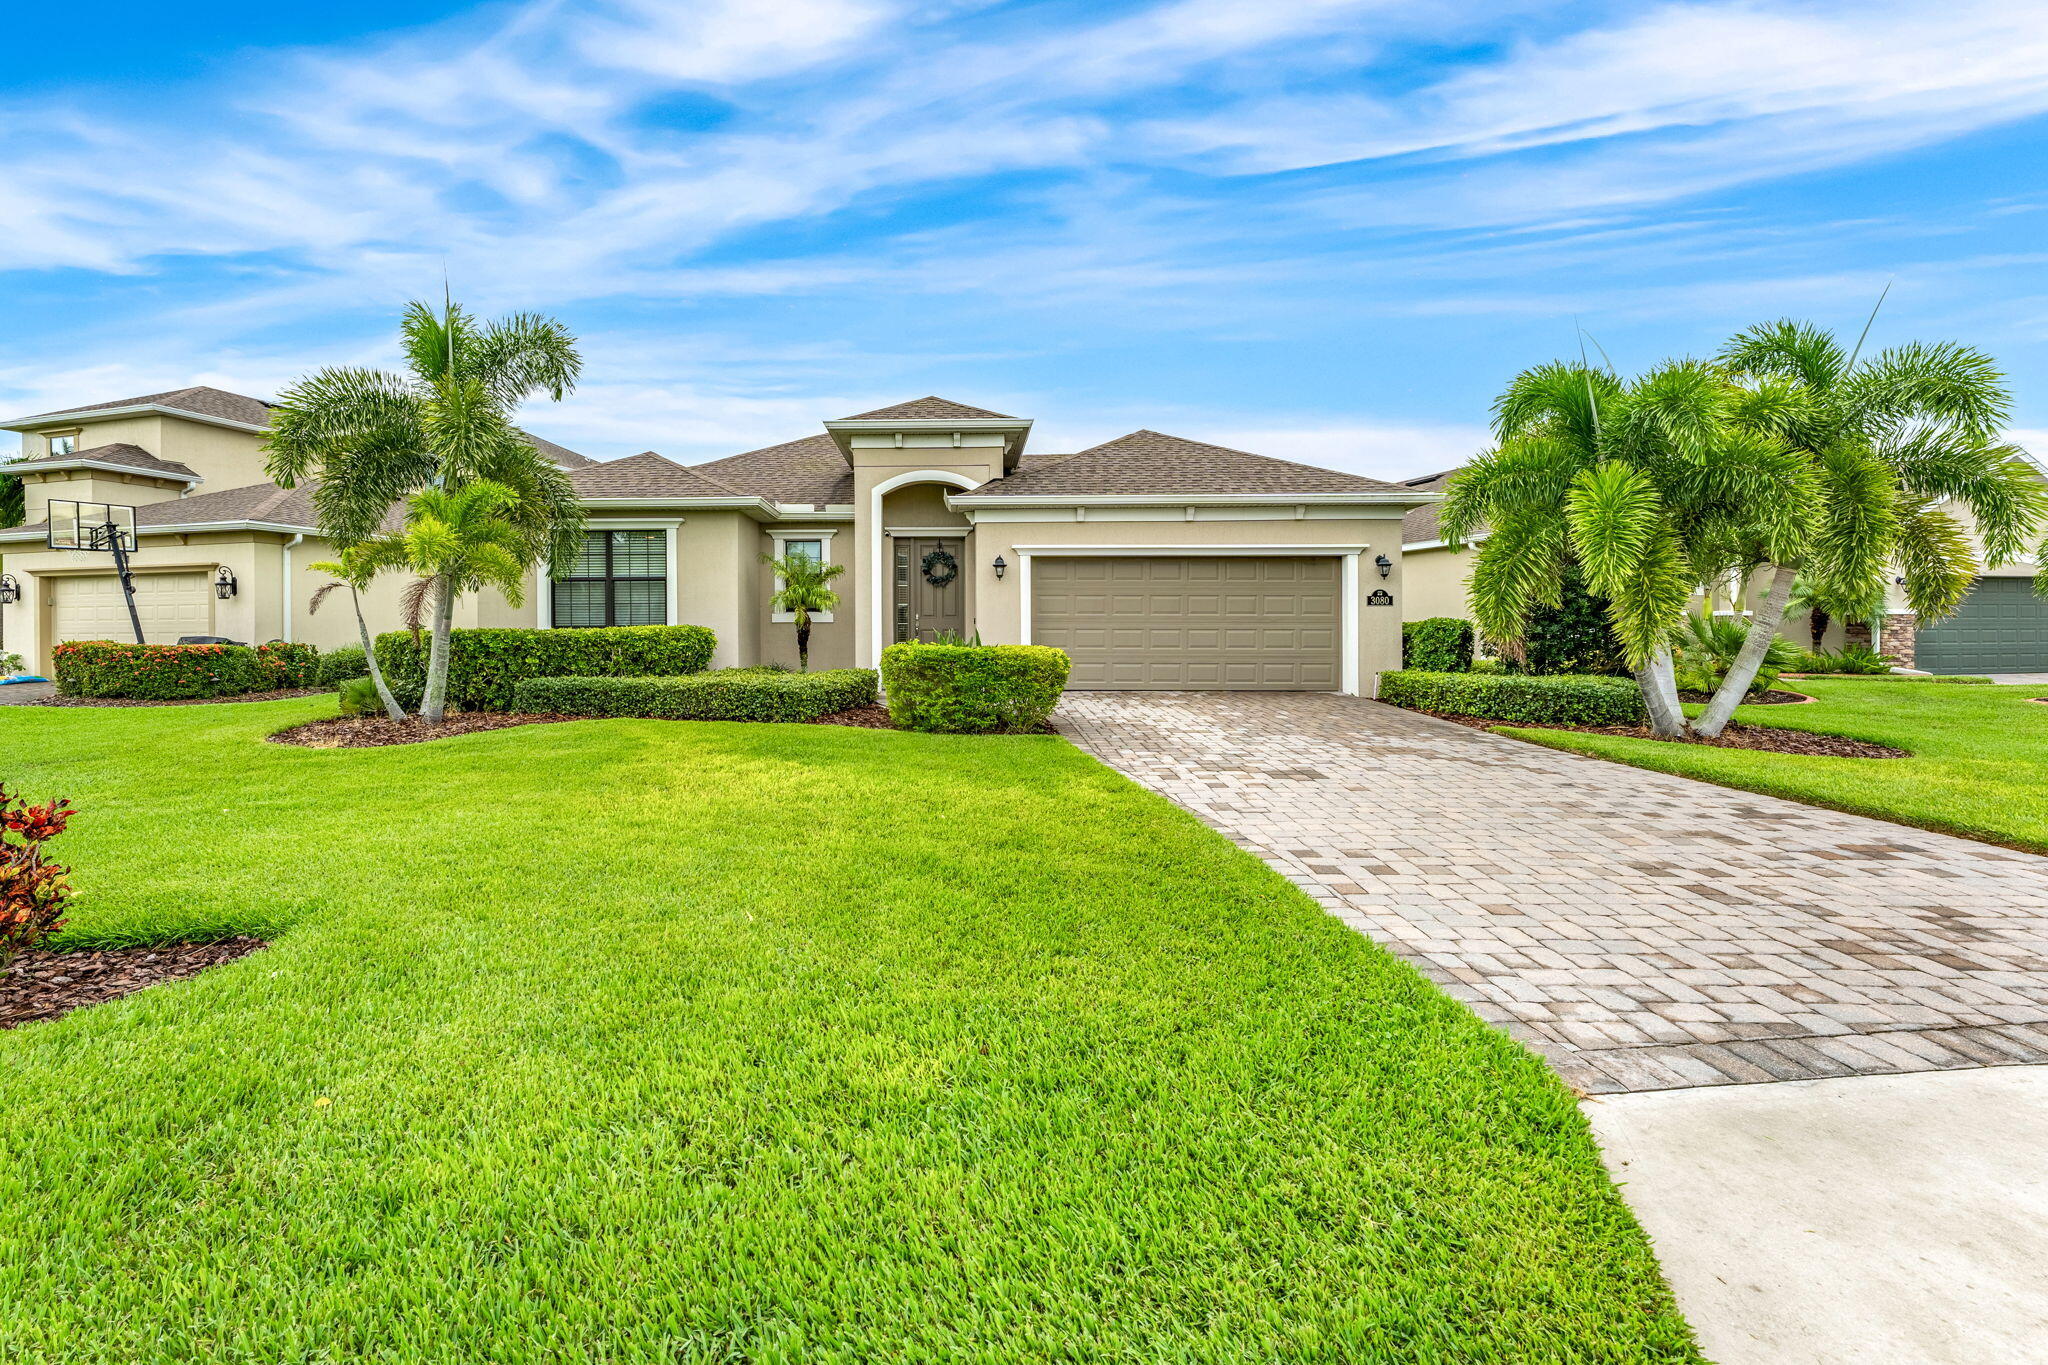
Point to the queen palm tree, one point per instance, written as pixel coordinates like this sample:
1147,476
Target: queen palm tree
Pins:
1892,446
453,543
372,437
352,571
1648,486
806,588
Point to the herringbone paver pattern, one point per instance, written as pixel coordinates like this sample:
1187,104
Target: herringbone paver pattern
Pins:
1642,931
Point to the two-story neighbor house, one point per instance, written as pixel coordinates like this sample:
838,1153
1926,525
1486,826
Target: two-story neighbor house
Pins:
1155,561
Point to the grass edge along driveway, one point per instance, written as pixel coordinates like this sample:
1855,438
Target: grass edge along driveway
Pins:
652,1041
1978,753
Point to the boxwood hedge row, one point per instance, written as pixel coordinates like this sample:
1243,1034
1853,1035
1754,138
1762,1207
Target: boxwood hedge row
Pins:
486,665
755,694
1519,699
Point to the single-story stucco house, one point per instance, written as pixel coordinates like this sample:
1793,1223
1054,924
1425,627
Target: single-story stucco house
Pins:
1154,561
2001,627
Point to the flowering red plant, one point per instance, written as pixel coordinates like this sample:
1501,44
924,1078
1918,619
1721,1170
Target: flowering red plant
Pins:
32,888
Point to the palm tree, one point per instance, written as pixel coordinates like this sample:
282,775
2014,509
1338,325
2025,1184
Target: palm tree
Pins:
455,543
352,573
805,589
1889,446
1647,486
372,438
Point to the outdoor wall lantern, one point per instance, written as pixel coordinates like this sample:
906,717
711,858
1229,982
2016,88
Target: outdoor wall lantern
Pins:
1000,566
10,591
224,583
1385,565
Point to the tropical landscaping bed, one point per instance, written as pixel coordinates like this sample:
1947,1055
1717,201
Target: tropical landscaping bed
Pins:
757,1042
44,983
1761,738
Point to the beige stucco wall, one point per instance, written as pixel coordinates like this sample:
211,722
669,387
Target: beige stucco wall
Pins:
223,457
1000,612
832,642
92,485
1437,581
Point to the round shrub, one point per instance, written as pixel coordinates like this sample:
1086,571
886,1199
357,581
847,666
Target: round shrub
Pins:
339,665
973,689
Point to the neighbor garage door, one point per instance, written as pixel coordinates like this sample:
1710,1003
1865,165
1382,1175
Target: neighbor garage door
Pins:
2001,627
170,604
1194,622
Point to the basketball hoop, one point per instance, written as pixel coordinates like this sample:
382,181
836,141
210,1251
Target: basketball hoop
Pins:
98,528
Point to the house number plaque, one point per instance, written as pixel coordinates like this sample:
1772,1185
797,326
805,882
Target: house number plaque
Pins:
1380,598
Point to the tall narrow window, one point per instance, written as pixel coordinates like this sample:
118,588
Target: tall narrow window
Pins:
620,579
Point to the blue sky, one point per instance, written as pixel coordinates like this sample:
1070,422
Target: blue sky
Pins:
1321,229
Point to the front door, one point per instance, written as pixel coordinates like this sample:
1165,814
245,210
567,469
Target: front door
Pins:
931,587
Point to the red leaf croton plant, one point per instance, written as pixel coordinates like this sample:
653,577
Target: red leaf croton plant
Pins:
33,890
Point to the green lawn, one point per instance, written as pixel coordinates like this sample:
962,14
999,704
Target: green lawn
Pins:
1980,755
634,1041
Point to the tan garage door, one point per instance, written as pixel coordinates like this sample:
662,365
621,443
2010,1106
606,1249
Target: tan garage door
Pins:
1195,622
170,604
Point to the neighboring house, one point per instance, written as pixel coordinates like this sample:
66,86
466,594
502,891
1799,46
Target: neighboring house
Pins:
1154,561
2001,627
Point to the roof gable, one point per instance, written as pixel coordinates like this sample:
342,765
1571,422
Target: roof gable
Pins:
1146,462
810,470
1419,525
930,408
646,475
117,453
200,400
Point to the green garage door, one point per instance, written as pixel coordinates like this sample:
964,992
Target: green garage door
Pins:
2001,627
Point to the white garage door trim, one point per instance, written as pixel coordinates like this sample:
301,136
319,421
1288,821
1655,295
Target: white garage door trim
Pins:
1347,603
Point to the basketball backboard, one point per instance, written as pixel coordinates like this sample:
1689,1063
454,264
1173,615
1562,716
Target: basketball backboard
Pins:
83,525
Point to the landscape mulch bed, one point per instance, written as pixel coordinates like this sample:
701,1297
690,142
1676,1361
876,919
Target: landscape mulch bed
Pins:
183,701
370,732
863,717
43,984
1772,698
1737,736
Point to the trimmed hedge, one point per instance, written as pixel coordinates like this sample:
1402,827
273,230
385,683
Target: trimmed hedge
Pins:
1438,644
108,668
287,665
339,665
973,689
1519,699
755,694
484,666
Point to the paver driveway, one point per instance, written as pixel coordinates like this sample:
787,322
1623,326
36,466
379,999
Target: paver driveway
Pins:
1640,930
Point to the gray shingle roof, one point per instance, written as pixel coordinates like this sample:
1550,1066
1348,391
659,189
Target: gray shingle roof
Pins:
252,502
929,408
1153,462
121,453
811,470
560,454
199,399
1419,525
646,475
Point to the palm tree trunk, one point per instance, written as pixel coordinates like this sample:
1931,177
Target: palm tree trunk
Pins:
803,646
434,706
1818,619
391,706
1763,628
1659,682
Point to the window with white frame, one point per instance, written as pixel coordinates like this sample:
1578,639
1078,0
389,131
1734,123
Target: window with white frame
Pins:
620,579
815,546
64,445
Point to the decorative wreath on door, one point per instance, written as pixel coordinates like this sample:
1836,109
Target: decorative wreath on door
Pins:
940,568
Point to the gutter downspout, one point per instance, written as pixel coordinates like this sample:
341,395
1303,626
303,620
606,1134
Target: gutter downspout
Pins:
287,556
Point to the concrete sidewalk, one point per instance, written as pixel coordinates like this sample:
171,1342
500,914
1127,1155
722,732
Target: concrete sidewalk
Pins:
1861,1219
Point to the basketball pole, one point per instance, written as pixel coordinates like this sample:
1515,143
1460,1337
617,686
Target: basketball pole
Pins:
113,533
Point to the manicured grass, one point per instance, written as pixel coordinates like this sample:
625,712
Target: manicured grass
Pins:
638,1041
1979,755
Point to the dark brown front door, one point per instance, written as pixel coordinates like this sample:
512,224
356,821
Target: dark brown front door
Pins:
931,586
